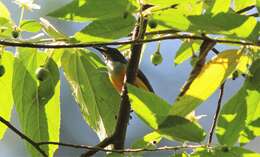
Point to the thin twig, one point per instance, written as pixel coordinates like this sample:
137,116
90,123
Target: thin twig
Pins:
215,119
245,9
23,136
82,45
128,150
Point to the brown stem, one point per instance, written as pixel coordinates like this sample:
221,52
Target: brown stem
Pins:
23,136
130,76
135,150
215,119
83,45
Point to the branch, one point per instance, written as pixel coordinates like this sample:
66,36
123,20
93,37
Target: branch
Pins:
130,77
83,45
23,136
245,9
118,138
216,114
164,148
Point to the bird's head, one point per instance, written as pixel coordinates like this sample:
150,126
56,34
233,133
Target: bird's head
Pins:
111,54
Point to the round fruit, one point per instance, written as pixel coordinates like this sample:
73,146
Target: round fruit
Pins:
2,70
15,34
42,73
152,23
156,58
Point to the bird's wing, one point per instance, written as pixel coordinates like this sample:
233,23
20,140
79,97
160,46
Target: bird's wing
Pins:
141,75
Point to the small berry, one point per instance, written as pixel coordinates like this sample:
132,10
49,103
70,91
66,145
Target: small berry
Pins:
15,34
42,73
152,23
156,58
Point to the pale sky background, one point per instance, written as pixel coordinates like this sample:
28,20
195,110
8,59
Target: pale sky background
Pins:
166,79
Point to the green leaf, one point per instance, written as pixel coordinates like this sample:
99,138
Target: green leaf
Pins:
225,152
115,155
186,7
246,136
37,104
30,26
238,27
4,11
153,111
258,5
207,82
185,51
180,155
92,90
88,10
56,55
241,4
51,31
243,108
181,129
218,6
149,107
6,99
149,141
106,29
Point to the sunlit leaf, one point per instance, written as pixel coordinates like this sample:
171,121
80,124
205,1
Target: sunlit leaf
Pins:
258,5
30,26
225,152
37,103
207,82
241,109
185,7
185,51
149,141
6,97
106,29
218,6
92,90
4,11
239,26
149,107
153,111
241,4
82,10
181,129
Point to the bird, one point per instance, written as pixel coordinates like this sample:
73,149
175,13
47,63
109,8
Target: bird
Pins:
116,65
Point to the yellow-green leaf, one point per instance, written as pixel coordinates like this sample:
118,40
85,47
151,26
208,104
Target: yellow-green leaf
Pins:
37,103
242,110
6,98
95,95
207,82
